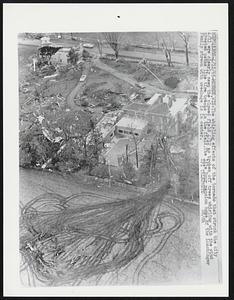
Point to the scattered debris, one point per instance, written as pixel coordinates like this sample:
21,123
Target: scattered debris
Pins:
133,96
51,76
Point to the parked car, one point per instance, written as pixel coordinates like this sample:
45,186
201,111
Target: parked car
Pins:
88,45
82,78
139,85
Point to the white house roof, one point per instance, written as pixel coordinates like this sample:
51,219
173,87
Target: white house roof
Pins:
64,50
134,123
178,105
153,99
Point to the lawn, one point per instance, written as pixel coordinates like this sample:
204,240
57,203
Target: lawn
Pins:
118,150
187,76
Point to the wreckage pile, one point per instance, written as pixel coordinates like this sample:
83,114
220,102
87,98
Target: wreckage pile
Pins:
63,241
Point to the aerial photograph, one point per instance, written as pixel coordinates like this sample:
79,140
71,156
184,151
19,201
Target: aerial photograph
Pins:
108,158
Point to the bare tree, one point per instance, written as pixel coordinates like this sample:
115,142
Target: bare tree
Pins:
172,39
126,149
114,41
185,37
157,39
72,36
153,156
136,142
99,44
167,51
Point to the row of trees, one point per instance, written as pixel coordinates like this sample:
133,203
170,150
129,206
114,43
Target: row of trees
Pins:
158,164
166,41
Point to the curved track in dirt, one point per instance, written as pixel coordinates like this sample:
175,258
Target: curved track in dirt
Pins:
59,231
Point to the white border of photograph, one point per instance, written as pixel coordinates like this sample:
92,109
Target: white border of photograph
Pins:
19,18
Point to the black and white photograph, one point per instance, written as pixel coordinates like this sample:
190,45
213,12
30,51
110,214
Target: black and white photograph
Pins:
108,147
117,158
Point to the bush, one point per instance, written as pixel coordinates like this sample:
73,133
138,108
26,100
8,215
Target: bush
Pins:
100,171
172,82
85,54
128,170
142,75
84,103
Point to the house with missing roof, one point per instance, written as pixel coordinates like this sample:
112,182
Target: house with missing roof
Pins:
161,111
128,126
157,113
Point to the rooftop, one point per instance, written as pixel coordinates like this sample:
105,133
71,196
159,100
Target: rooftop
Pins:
64,49
153,108
178,105
136,107
154,99
161,108
135,123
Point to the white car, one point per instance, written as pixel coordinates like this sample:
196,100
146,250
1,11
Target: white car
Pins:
88,45
82,78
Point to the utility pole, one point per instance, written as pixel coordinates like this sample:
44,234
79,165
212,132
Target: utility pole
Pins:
109,170
127,152
155,76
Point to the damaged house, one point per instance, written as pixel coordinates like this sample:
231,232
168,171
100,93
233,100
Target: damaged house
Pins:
61,56
45,53
58,55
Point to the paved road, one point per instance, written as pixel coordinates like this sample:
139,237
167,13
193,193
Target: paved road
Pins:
177,57
79,88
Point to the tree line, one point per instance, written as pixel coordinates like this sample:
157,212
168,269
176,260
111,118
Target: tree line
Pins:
166,42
